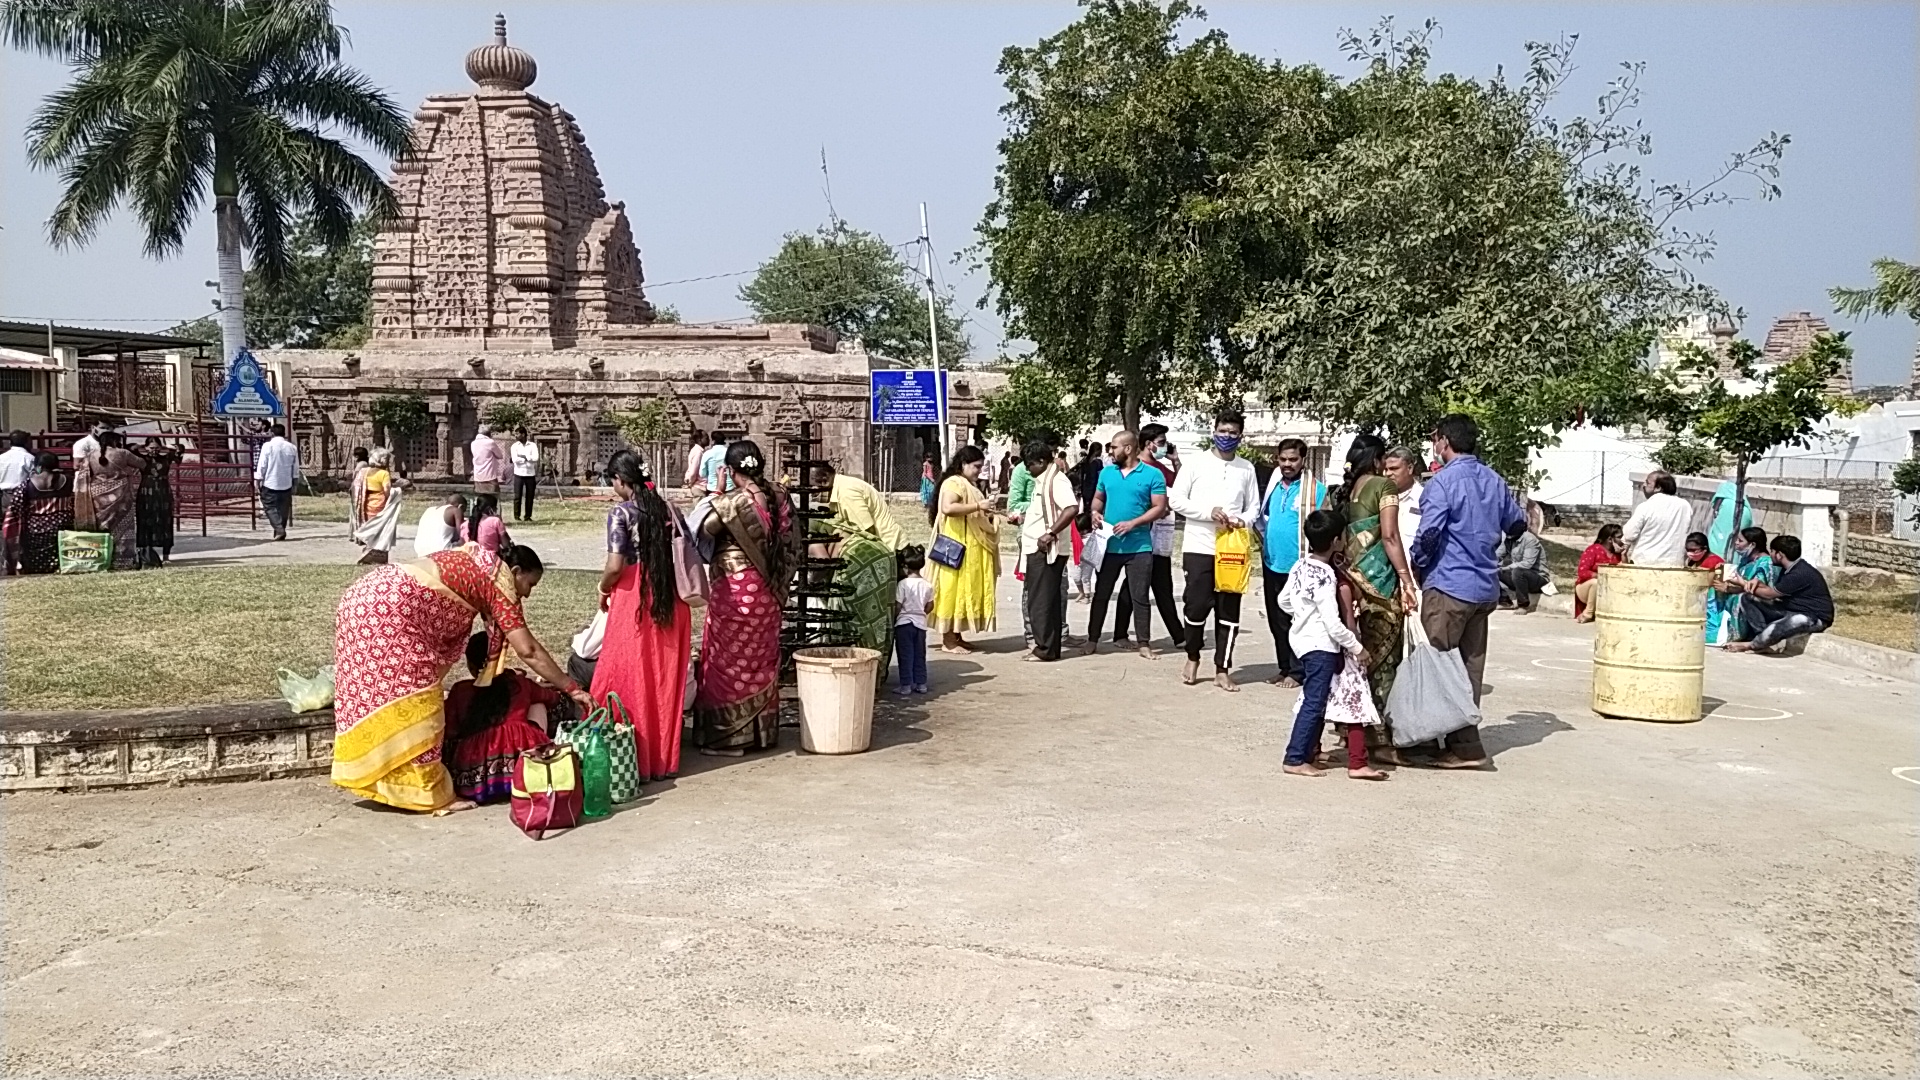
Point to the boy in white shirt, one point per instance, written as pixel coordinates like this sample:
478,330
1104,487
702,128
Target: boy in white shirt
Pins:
526,473
912,600
1215,489
1324,643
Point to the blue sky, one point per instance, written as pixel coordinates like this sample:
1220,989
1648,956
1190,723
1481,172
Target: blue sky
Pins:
708,120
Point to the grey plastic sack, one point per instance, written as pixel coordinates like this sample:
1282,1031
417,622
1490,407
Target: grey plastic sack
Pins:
1432,695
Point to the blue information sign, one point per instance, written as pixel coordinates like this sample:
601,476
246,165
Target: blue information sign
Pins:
246,392
914,396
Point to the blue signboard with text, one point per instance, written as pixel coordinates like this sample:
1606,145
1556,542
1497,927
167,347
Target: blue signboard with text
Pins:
916,396
246,393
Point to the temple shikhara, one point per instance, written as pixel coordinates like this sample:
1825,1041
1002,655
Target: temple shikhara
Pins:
509,276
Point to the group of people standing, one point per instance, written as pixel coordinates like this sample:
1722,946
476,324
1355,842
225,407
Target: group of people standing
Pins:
113,486
1343,568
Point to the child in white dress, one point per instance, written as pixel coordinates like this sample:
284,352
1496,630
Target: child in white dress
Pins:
1335,689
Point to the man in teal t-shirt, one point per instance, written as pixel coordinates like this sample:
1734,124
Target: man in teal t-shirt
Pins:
1131,495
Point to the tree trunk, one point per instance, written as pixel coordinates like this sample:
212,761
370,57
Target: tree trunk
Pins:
1739,503
233,320
1130,410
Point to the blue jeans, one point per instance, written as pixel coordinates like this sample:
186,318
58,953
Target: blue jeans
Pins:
910,642
1320,667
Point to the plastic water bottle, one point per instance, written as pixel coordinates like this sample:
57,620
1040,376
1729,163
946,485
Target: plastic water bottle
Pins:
596,773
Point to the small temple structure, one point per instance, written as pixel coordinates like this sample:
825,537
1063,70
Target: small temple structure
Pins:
1791,335
508,276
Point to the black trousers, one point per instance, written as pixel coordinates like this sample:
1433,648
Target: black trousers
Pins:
1162,582
1520,584
1282,624
1138,568
1046,596
1202,600
277,505
523,497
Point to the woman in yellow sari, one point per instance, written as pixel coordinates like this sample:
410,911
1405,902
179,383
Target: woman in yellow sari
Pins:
398,631
963,596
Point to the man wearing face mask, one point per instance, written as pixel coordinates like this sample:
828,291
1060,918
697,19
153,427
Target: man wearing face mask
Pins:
1291,496
1217,488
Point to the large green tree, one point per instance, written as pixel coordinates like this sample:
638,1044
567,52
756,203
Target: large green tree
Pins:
1035,400
855,284
1469,251
1109,242
176,101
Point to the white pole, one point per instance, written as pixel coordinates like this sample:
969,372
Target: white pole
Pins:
933,335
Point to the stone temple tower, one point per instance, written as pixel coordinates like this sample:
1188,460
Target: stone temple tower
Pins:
504,232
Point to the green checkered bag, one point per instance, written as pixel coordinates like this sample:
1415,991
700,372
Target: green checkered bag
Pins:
623,753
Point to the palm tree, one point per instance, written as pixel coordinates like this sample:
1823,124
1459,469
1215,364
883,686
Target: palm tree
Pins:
173,97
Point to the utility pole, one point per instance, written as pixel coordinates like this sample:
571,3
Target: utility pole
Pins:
933,336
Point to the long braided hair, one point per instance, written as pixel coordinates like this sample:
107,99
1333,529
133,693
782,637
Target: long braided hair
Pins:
1363,460
652,536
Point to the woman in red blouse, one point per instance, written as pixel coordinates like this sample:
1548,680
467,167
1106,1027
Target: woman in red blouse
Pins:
1604,551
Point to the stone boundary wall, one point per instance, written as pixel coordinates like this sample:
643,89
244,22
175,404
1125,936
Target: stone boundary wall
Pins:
1863,500
1883,553
76,751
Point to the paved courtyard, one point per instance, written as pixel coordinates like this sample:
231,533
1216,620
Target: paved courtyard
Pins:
1077,869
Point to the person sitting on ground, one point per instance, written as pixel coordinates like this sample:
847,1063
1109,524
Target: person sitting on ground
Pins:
1698,556
1604,551
1751,563
1330,653
488,726
1656,532
484,526
440,526
1796,604
1523,572
870,538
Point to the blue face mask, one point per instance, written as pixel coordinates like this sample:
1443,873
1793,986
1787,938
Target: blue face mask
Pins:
1226,444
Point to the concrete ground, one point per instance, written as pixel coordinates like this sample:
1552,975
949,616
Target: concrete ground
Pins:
231,542
1077,869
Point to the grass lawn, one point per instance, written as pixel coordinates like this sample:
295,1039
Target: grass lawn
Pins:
180,635
547,509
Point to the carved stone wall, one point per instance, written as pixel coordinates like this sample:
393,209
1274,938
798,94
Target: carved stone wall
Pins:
504,231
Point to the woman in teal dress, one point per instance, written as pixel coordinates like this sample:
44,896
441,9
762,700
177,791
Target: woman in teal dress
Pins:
1751,563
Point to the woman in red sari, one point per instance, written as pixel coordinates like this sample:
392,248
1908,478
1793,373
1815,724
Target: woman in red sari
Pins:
1604,551
649,629
399,630
755,552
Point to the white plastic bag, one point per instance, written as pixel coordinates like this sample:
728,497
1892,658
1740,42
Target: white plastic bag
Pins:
304,694
1093,546
586,643
1432,695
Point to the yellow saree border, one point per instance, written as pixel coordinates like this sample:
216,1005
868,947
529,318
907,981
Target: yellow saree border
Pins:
375,757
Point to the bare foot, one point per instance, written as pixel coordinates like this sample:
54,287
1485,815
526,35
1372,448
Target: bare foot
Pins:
1387,755
1090,648
1284,682
1224,681
1740,646
455,807
1190,674
1455,761
1147,653
1585,616
1367,774
1301,770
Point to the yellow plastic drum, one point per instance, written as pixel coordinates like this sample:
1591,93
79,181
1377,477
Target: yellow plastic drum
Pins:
1650,651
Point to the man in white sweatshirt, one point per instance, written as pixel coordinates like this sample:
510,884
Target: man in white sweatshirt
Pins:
1657,529
1217,488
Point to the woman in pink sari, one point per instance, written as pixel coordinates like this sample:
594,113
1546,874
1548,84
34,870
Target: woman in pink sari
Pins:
756,548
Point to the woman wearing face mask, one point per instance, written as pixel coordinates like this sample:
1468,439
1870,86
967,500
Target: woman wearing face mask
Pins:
1216,489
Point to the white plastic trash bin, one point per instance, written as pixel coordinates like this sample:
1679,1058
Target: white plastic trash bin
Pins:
836,698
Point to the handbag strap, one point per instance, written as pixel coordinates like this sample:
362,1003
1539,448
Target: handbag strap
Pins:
1416,632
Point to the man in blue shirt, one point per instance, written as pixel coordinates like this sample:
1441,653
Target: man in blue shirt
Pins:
1132,495
713,465
1291,496
1465,511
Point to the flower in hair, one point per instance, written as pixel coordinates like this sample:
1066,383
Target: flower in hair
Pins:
749,462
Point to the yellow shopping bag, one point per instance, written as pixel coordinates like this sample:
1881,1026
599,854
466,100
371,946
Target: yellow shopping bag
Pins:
1233,560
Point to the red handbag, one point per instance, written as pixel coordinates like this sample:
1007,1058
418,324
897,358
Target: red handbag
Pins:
548,792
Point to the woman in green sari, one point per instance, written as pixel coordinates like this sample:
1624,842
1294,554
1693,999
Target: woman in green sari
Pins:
1375,559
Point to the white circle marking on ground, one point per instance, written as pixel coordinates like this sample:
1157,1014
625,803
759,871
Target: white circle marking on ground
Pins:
1909,773
1771,714
1549,662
